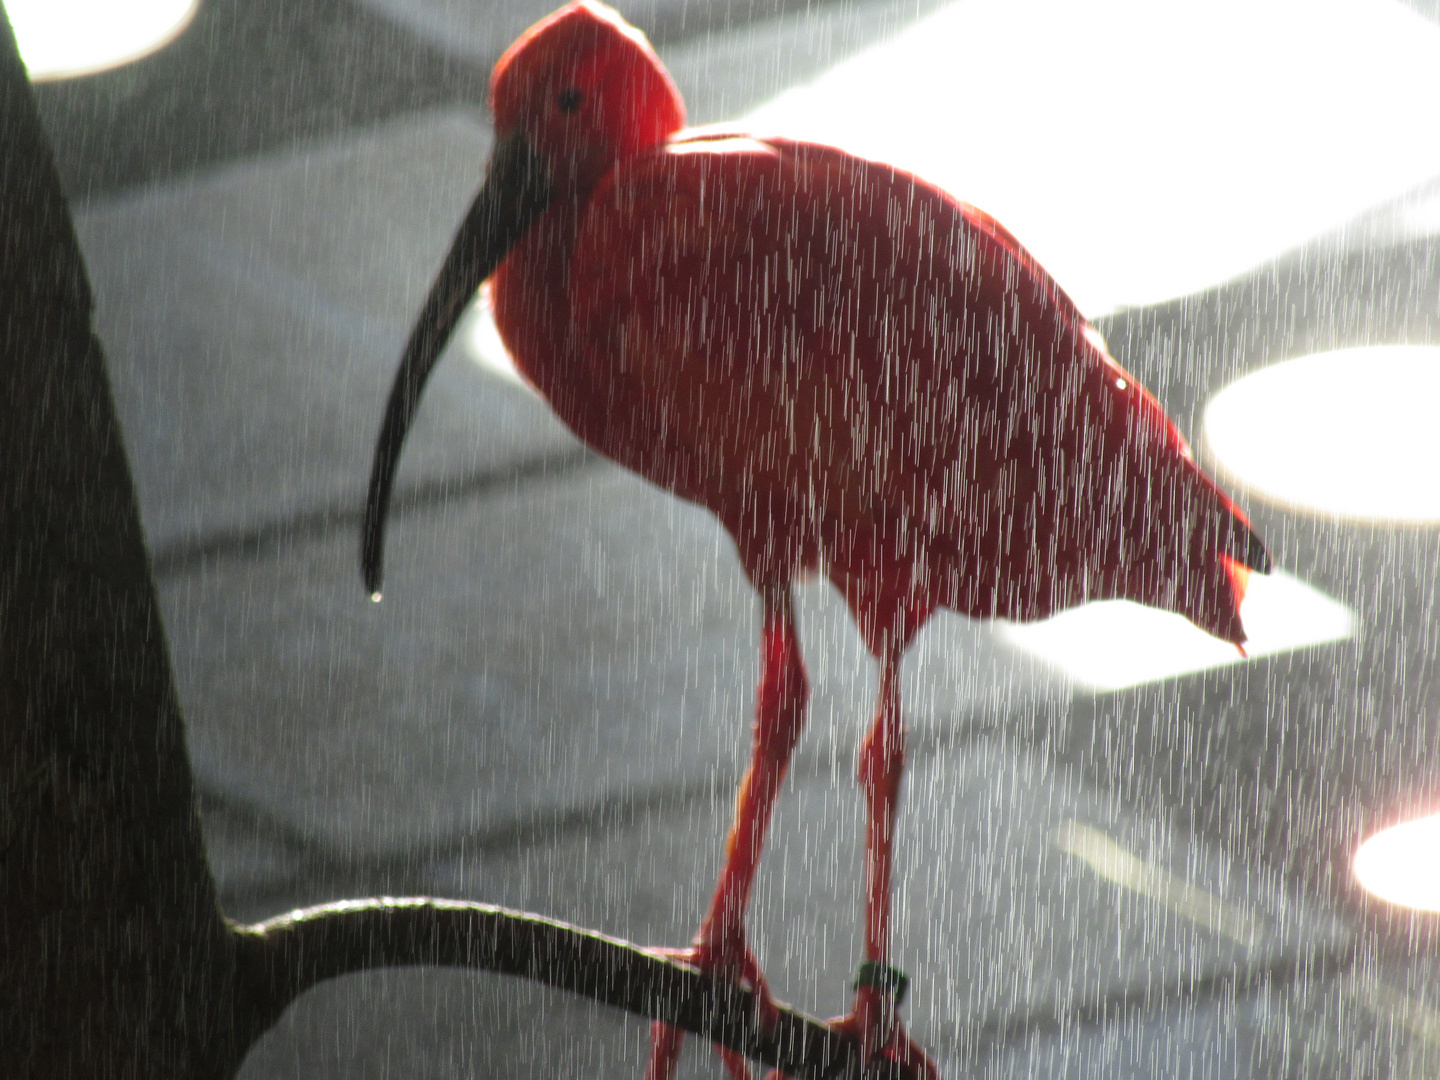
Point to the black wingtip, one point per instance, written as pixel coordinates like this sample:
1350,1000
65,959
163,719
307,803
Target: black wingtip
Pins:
1257,556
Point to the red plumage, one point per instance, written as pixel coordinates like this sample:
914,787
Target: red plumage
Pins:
856,372
859,373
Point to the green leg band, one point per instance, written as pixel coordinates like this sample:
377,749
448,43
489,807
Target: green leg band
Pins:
884,978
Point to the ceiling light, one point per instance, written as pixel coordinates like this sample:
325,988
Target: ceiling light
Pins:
1348,433
60,39
1141,150
1110,644
1402,864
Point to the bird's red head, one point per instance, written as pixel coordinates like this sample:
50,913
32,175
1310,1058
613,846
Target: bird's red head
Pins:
578,92
584,88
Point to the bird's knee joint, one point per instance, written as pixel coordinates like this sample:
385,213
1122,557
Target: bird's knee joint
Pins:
881,764
781,714
776,733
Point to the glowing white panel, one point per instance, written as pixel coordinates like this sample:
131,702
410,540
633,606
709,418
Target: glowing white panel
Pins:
1144,150
481,340
62,38
1350,433
1423,217
1402,864
1113,643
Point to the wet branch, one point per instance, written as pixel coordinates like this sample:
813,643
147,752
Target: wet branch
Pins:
284,956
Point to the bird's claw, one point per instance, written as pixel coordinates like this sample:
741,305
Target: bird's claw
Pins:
910,1055
731,956
727,956
873,1024
871,1021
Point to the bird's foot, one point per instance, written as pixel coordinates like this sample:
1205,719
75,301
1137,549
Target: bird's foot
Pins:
874,1024
665,1043
910,1055
871,1021
730,955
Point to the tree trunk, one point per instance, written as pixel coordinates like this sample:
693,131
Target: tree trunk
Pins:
114,958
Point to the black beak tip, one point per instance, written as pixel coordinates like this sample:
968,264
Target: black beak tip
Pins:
370,565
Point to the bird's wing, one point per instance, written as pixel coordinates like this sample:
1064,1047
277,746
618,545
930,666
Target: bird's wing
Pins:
820,348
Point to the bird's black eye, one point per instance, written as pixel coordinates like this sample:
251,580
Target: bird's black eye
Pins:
570,100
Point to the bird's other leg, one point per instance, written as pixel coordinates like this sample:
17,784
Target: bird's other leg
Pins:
779,719
873,1019
721,946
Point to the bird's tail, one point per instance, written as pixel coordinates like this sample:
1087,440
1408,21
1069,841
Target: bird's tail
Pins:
1229,544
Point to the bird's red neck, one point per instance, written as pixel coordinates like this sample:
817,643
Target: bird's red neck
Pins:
532,306
534,310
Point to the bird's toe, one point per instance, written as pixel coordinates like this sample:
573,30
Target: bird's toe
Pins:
873,1024
732,956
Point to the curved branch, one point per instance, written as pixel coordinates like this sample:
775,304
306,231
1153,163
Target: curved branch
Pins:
284,956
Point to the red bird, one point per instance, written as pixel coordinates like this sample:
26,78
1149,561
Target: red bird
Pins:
857,373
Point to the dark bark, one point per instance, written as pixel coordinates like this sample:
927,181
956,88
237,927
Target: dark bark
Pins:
286,955
114,958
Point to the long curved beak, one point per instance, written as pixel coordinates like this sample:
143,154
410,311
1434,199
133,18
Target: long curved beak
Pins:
515,193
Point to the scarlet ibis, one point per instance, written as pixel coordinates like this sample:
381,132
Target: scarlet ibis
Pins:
857,373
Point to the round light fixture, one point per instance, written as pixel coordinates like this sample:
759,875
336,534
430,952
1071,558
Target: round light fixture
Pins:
60,39
1402,864
1348,433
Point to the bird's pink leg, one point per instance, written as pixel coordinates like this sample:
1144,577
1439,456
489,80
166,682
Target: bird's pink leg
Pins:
720,945
873,1020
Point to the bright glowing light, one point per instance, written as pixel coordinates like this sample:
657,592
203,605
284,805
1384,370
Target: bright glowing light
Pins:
481,338
1143,150
1402,864
1349,433
62,38
1423,217
1111,644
